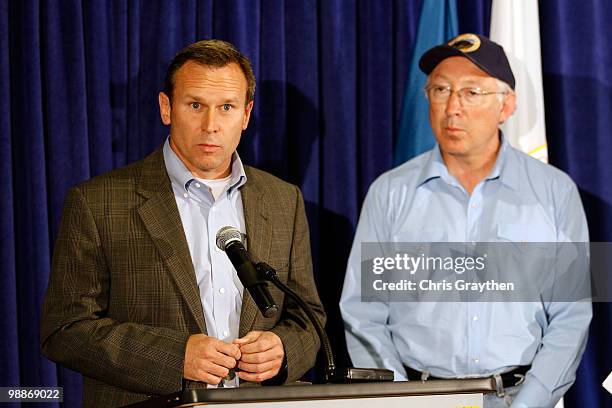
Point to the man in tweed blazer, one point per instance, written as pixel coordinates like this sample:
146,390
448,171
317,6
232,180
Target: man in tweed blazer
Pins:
123,305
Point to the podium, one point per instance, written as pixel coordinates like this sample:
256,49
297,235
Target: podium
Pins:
413,394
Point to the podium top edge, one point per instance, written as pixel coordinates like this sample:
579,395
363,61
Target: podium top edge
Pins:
190,397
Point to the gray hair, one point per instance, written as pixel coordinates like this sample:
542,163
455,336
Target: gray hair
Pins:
504,88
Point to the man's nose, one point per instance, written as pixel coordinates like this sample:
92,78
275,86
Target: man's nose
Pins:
209,121
453,104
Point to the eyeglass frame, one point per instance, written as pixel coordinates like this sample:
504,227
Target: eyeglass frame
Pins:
461,97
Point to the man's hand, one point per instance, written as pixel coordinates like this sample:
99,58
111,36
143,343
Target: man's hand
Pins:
209,359
262,355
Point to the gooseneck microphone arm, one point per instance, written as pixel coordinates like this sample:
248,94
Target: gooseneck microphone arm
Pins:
268,273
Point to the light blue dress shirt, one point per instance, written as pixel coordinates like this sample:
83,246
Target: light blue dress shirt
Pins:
202,216
521,199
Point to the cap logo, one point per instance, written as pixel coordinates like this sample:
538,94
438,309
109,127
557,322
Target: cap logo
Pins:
465,43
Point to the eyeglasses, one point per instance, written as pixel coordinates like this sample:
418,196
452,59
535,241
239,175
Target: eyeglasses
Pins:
438,94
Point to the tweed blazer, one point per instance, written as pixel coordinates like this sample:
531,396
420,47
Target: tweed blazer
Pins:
123,299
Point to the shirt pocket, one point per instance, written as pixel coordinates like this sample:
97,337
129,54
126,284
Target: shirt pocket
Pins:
432,234
520,233
419,243
524,255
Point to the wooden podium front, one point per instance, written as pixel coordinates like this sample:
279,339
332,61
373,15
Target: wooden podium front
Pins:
417,394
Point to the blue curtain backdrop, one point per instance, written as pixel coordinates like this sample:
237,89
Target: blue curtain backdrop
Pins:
78,97
577,75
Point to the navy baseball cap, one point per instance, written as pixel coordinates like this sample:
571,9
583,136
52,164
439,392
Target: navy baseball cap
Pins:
484,53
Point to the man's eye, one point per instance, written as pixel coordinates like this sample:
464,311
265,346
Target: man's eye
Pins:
440,89
195,105
474,91
226,107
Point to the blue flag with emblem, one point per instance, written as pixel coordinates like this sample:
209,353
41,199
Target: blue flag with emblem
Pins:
437,24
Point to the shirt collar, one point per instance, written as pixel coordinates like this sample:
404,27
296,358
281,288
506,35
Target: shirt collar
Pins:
505,167
181,177
434,167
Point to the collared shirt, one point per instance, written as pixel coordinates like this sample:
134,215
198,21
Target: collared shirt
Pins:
202,216
521,199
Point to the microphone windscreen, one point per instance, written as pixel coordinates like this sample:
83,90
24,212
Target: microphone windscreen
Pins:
226,235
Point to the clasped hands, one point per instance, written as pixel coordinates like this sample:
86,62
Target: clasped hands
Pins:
258,357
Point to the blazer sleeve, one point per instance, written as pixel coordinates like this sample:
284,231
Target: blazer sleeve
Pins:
299,337
75,328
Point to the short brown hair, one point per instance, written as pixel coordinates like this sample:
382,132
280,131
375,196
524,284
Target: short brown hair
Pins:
214,53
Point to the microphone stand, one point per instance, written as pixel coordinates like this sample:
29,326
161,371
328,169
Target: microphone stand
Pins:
332,373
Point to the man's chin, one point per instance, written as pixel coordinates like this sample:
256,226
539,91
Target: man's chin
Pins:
213,168
454,147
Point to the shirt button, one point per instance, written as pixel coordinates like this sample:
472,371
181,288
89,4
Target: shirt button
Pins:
476,360
186,195
198,185
222,290
474,205
475,318
225,333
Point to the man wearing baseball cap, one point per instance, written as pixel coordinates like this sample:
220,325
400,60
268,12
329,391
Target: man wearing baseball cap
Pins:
471,187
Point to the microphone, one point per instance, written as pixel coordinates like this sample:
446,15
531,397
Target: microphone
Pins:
229,239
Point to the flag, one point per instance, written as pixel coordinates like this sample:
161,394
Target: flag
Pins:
515,26
437,24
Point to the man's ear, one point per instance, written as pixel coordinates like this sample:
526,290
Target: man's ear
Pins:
247,115
164,108
508,107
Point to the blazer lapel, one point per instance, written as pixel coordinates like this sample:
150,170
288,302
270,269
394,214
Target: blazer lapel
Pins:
259,239
162,220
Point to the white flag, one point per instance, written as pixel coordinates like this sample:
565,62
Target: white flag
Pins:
515,26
